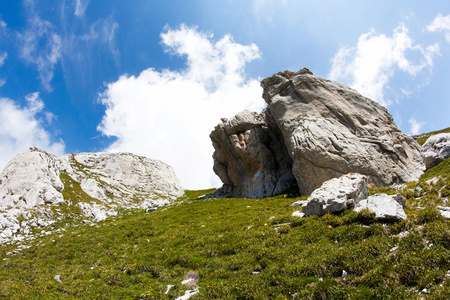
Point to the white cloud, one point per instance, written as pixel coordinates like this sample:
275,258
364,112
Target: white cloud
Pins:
168,115
80,7
21,128
441,24
369,66
415,126
2,62
40,45
3,57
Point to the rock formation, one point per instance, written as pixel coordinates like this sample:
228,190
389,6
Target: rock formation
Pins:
351,191
97,184
386,207
336,195
251,158
312,130
436,149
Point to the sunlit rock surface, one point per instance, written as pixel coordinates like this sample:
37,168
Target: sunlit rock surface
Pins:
34,184
327,129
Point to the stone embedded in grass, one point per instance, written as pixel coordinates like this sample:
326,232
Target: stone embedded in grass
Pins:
386,207
298,214
445,211
191,279
169,286
188,294
337,194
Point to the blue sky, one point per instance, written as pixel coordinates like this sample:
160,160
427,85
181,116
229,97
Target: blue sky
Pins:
154,77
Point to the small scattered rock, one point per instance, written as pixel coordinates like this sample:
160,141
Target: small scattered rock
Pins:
57,278
188,294
445,211
169,286
433,181
298,214
394,249
299,203
398,187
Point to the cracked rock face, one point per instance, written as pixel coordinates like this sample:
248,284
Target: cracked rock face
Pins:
250,156
327,129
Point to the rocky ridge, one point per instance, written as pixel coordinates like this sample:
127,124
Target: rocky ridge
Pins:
38,189
312,130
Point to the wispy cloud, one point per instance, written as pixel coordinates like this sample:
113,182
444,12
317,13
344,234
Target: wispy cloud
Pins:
80,7
22,127
3,57
40,45
369,66
441,24
416,126
168,115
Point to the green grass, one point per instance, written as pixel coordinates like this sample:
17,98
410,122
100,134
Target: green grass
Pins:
135,256
442,169
422,138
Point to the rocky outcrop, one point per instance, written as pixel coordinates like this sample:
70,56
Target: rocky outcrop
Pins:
31,179
337,195
386,207
250,156
97,184
327,130
436,149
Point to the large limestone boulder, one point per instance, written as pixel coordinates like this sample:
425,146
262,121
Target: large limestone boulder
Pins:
327,129
436,149
331,130
337,195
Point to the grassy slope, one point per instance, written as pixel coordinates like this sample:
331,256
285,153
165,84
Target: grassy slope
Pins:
225,240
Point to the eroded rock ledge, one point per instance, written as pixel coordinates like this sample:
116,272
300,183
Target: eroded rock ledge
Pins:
312,130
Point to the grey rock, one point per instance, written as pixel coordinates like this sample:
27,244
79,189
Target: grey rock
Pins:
436,149
386,207
298,203
250,157
398,187
31,179
331,130
445,211
312,130
110,182
298,214
337,194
